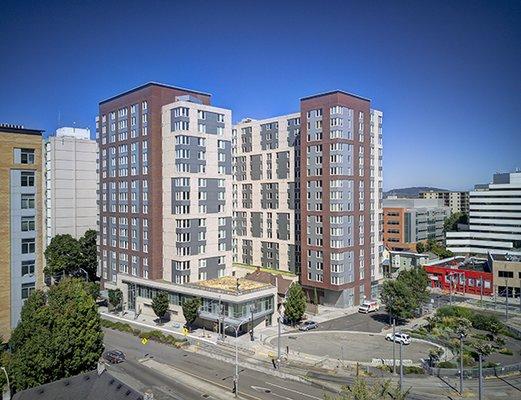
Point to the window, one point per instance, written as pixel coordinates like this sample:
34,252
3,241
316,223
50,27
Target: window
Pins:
27,201
27,156
28,246
27,290
28,224
27,267
27,178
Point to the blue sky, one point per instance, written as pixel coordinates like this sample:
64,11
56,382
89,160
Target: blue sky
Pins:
447,76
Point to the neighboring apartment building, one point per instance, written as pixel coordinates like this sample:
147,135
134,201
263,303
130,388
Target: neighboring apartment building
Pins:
308,190
457,201
21,252
70,183
409,221
494,218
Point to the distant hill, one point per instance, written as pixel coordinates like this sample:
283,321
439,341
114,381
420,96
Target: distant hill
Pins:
411,192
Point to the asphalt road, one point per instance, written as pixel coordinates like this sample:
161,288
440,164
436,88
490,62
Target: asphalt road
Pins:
253,385
373,322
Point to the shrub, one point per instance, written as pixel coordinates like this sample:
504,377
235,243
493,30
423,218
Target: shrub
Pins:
446,364
412,369
506,351
468,360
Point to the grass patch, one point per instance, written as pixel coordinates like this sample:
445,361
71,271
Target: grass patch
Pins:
506,351
412,369
156,336
446,364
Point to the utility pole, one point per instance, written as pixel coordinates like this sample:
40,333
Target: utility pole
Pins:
394,347
495,297
252,309
480,378
506,301
450,289
401,368
278,339
481,292
461,336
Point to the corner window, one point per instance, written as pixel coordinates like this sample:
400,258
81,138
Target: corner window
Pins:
27,156
27,290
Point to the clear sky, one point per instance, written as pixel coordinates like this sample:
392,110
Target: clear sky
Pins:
447,75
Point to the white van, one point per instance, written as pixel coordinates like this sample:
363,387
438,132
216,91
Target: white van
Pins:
368,306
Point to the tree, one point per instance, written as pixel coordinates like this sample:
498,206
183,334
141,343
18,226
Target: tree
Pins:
93,288
89,253
160,304
420,247
451,222
62,255
115,298
59,335
191,310
295,304
315,296
362,389
407,293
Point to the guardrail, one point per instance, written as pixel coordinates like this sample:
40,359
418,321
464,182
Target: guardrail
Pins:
471,372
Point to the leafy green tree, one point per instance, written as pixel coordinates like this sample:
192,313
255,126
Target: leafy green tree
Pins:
115,298
451,222
62,255
89,253
420,247
93,288
295,304
160,304
363,389
59,335
315,296
191,310
407,293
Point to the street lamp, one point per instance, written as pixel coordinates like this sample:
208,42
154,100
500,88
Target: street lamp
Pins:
461,337
236,379
7,377
252,310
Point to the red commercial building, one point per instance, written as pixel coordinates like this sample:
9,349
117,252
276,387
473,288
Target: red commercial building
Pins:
461,275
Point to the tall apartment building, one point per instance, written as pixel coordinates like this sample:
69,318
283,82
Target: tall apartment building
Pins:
266,199
312,181
165,185
409,221
21,254
457,201
70,183
494,218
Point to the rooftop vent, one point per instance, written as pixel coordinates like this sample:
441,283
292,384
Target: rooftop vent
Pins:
13,126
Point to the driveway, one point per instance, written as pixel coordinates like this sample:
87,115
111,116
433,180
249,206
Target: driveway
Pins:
351,346
373,322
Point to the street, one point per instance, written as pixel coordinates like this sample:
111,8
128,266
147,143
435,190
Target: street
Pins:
204,371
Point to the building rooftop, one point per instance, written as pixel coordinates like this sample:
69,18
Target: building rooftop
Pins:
10,128
87,386
334,92
228,284
460,262
506,257
152,84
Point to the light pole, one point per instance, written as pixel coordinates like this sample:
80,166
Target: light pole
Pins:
401,367
252,310
506,300
7,377
461,336
394,347
480,391
278,338
236,379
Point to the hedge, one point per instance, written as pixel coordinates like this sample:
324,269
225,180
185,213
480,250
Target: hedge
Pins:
156,336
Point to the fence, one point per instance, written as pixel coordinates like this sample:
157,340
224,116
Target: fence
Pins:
471,372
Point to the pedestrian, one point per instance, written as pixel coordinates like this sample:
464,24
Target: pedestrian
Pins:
274,363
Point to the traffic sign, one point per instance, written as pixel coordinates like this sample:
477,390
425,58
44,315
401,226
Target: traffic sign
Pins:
144,341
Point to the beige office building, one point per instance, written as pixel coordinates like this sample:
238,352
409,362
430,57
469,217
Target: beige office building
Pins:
21,270
70,183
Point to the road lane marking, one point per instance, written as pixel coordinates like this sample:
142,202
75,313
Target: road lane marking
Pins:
292,390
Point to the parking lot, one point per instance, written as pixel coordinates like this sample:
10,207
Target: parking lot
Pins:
350,346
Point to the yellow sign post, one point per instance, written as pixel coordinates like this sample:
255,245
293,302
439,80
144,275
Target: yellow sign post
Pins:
144,341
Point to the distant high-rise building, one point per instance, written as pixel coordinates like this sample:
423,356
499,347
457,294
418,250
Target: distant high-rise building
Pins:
457,201
409,221
494,218
21,252
70,183
308,190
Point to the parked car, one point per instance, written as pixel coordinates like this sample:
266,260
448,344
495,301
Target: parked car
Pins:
368,306
114,356
308,325
399,337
